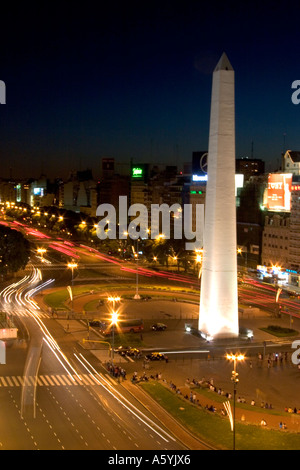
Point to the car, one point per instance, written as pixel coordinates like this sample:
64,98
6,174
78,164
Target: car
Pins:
245,333
127,351
155,356
133,352
158,327
122,350
95,323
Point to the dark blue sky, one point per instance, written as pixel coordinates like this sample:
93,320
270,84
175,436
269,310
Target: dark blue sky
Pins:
135,82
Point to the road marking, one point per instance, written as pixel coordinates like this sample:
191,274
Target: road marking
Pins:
3,381
55,379
15,381
47,380
9,381
44,380
50,380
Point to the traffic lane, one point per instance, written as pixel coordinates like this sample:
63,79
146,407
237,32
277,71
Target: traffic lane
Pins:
15,432
86,418
113,395
112,400
110,403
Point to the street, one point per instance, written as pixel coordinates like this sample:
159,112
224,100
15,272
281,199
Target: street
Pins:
57,394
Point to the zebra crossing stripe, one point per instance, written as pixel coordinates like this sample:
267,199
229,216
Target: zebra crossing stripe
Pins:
3,381
43,380
47,380
69,382
15,381
39,381
59,378
87,377
9,381
55,379
20,379
77,380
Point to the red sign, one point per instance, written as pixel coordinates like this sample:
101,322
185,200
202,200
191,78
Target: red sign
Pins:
279,191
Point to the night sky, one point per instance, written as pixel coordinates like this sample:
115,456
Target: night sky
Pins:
134,82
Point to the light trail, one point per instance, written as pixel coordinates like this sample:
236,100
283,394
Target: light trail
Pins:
23,298
122,400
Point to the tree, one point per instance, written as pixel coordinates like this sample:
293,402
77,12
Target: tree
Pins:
14,250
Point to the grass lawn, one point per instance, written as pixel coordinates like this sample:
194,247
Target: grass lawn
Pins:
279,331
215,430
59,297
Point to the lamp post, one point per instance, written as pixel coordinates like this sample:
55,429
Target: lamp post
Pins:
114,300
234,378
114,321
41,251
136,255
72,266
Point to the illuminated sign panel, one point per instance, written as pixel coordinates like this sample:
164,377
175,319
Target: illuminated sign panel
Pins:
199,177
137,172
279,192
38,191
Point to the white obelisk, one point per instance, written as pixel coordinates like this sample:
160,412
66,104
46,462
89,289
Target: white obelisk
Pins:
218,314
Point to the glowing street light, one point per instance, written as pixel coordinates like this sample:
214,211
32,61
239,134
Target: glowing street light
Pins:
234,378
114,300
114,321
72,266
41,251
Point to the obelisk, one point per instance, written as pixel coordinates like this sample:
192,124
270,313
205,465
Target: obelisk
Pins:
218,315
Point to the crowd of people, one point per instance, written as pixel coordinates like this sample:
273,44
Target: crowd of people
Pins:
271,360
116,371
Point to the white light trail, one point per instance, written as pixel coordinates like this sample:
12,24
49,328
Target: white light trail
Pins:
137,413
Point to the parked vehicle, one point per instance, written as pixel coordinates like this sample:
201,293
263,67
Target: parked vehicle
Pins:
95,323
158,327
123,326
127,351
155,356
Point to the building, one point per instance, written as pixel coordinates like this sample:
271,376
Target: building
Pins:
250,221
291,162
276,241
79,193
111,185
249,167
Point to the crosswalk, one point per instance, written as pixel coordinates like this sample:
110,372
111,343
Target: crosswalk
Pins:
26,314
48,380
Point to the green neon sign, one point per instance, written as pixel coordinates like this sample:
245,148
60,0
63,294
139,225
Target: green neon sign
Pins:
137,172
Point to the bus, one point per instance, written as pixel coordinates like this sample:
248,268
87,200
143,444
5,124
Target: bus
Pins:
123,326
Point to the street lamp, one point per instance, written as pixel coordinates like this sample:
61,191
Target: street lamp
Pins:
234,378
72,266
41,251
114,300
114,321
136,256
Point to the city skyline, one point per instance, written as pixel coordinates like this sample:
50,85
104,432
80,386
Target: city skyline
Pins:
135,84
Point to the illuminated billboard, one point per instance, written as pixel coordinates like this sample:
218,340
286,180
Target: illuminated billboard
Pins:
199,166
279,192
137,172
